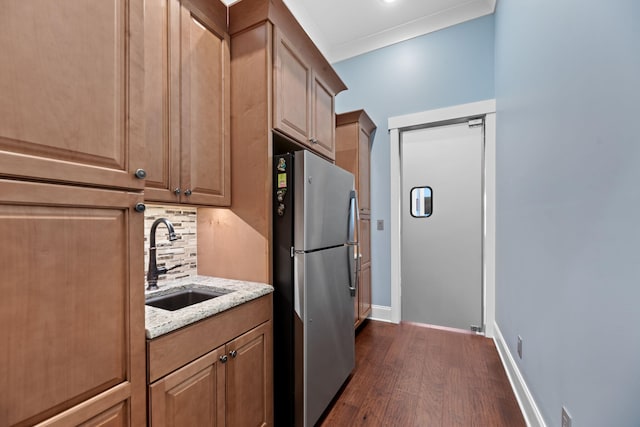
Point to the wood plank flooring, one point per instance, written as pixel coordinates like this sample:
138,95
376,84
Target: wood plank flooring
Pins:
412,375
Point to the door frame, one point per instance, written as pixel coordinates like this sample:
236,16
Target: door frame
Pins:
397,125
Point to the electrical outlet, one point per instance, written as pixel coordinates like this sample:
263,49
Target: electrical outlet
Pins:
381,224
566,418
520,346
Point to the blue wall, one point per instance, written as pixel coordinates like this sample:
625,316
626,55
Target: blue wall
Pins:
449,67
568,203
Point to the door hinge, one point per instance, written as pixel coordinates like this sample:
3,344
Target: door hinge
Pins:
477,329
474,123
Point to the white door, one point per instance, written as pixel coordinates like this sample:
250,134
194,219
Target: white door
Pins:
442,217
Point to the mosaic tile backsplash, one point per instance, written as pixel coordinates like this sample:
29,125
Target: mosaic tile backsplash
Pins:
182,251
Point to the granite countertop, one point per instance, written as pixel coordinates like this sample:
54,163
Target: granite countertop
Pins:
159,322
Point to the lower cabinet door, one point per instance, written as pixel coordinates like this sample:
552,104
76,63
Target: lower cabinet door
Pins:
250,378
356,305
72,305
194,395
364,297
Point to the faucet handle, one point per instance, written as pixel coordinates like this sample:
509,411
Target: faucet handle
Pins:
165,270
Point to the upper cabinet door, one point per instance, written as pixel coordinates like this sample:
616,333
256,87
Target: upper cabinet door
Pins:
205,87
187,102
353,151
324,124
304,103
71,80
364,177
292,91
162,99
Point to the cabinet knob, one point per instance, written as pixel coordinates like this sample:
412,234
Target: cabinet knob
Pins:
141,173
140,207
224,358
187,192
313,140
233,353
177,191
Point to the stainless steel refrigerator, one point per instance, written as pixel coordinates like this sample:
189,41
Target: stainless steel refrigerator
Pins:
315,275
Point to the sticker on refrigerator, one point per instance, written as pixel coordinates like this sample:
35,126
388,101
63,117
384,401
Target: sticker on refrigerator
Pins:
282,180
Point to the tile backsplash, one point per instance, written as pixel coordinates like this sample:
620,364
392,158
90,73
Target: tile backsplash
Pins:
182,251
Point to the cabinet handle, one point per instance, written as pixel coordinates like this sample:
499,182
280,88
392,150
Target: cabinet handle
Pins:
140,207
187,192
177,191
233,353
313,140
141,174
224,358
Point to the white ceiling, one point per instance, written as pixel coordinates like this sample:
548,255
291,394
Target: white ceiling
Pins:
345,28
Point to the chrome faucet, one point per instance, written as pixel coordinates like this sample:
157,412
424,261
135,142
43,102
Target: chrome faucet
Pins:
154,271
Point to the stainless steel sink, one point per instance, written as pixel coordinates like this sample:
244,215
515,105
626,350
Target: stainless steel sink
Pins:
183,298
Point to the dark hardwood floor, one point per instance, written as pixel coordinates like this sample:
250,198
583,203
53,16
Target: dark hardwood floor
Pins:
412,375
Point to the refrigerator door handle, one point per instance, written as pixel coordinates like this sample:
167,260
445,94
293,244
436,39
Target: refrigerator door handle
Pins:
352,262
354,218
354,249
354,286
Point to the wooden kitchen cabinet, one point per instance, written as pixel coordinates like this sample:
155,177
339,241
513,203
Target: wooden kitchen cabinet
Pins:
187,102
72,306
72,86
364,295
231,384
191,396
362,302
354,134
364,238
265,97
304,104
249,378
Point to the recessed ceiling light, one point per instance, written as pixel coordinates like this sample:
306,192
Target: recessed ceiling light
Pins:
388,1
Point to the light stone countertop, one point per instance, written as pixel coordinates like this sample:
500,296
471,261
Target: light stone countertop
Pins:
159,322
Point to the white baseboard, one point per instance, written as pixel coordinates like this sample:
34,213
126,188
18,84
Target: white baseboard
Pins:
528,406
381,313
